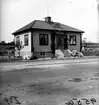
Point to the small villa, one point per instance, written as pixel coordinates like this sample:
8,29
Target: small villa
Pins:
47,38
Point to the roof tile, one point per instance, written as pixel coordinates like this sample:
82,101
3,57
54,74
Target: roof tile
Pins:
38,24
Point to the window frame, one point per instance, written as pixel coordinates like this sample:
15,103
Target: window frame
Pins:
41,43
42,53
17,39
70,37
26,40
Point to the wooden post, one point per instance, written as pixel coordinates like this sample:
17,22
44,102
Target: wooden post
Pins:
9,56
53,44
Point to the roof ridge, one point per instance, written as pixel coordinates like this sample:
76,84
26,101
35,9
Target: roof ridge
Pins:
25,26
33,24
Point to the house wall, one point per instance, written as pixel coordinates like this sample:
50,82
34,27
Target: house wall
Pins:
41,48
47,49
26,50
77,46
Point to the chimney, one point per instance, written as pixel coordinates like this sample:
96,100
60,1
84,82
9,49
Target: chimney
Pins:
48,19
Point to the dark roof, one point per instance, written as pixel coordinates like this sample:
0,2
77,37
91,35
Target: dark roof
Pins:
38,24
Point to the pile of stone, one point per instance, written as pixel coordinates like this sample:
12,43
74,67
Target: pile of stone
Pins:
76,53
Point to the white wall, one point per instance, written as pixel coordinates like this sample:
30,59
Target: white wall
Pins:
26,51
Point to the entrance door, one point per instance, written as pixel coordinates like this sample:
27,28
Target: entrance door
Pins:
59,42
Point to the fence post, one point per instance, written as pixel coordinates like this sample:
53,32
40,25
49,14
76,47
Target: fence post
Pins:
9,56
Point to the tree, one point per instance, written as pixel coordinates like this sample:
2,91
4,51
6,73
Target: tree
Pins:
89,41
84,40
19,46
3,42
11,43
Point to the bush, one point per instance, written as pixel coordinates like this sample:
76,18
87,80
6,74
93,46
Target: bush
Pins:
33,57
13,58
18,58
97,53
91,53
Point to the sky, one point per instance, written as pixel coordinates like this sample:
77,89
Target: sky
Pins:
81,14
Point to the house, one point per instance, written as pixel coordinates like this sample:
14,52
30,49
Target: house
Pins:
90,45
44,38
90,49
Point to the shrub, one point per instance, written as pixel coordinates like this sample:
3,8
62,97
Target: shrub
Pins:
33,57
91,53
97,53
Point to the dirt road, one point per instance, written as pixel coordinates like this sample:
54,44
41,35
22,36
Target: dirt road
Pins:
73,83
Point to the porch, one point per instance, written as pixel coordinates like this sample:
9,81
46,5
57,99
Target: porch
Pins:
59,44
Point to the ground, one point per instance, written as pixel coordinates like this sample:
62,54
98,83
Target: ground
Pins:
50,82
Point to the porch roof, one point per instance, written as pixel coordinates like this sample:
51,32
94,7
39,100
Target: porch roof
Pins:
55,26
60,33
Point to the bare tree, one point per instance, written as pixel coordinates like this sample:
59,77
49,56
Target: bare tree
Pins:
84,40
19,46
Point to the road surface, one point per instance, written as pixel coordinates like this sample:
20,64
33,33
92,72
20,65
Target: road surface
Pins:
73,83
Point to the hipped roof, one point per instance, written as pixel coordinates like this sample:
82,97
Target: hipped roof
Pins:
43,25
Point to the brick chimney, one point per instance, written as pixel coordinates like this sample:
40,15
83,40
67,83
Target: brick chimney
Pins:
48,19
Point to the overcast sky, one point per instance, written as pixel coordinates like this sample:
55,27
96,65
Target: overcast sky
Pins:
81,14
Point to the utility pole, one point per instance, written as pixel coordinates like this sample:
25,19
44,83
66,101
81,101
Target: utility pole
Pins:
47,10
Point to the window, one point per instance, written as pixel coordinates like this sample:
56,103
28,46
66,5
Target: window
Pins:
72,40
17,39
26,40
43,39
42,53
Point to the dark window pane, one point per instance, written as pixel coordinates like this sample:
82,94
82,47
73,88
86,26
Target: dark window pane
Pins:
43,39
26,40
17,39
72,40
